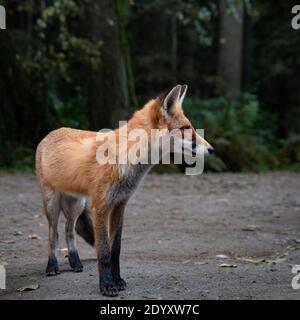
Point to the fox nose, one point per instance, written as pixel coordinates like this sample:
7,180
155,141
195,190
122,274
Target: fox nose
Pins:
210,150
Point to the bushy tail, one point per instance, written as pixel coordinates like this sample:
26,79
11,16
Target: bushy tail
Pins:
84,226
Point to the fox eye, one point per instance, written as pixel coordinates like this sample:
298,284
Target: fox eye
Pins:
184,128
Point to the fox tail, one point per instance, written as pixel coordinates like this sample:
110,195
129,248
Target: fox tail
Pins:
84,226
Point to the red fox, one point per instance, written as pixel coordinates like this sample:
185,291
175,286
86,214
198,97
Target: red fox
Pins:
69,174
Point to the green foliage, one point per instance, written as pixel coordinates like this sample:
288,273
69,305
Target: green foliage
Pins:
276,63
56,43
179,46
289,154
231,126
71,113
46,59
14,156
58,60
52,51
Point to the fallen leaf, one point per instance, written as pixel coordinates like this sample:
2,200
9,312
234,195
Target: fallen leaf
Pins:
255,260
276,260
200,263
33,236
29,287
186,261
7,241
227,265
250,227
222,256
18,233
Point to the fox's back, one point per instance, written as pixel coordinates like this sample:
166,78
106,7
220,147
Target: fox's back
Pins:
63,158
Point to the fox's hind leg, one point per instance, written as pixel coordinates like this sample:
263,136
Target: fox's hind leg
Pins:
51,199
72,208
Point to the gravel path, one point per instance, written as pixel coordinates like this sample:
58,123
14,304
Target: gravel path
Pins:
178,231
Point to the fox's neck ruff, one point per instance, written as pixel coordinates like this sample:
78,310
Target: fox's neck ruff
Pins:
142,121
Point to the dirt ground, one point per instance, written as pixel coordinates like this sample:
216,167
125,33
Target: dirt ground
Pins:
176,228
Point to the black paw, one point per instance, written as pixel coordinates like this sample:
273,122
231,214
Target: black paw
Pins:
77,269
120,284
109,290
52,267
74,261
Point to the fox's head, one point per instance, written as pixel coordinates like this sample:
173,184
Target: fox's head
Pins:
153,133
170,115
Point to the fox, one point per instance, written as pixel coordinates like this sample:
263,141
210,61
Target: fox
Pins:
93,196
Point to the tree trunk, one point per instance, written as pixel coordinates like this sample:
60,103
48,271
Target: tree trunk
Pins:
8,110
174,49
108,94
22,109
247,50
230,47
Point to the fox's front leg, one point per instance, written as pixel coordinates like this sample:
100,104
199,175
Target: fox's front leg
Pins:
106,281
115,234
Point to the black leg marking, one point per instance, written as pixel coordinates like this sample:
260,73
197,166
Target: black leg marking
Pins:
106,283
74,261
52,266
115,261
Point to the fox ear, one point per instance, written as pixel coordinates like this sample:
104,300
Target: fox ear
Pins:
182,93
171,100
